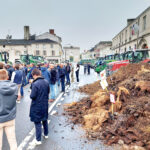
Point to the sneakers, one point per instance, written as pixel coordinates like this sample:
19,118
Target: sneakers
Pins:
17,101
35,142
46,137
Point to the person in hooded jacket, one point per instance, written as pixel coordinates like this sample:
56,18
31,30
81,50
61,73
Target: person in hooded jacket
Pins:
8,96
45,73
39,105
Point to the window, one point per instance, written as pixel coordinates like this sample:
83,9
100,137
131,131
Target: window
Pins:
144,23
122,38
44,46
130,31
37,52
51,45
53,53
135,46
37,46
18,53
44,52
126,35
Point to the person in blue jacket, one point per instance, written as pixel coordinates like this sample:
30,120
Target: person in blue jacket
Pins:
45,73
39,105
17,77
30,72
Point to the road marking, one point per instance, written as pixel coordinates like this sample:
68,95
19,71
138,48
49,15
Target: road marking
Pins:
54,112
59,104
27,138
62,99
31,133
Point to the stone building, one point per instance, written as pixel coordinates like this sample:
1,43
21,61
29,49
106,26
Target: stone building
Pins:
47,45
72,53
103,48
136,35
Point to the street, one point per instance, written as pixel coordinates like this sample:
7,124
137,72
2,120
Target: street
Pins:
61,134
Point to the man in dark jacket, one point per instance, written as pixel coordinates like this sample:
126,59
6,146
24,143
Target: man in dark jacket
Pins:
62,77
68,70
39,106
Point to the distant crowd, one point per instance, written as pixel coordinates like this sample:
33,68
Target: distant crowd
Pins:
45,79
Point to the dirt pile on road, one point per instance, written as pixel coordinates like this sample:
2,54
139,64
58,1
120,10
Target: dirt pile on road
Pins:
90,89
130,123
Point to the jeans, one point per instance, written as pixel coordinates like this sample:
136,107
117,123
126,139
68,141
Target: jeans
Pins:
63,84
9,128
52,89
84,70
38,129
21,90
77,76
58,82
88,70
68,78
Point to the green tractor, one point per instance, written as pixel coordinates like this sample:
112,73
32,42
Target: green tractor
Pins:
4,57
40,58
102,65
30,59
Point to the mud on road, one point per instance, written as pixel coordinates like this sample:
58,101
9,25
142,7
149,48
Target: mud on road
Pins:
130,124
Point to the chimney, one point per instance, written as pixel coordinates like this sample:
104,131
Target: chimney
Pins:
51,31
26,32
129,21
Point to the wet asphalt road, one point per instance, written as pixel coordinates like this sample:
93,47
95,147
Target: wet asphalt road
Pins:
61,136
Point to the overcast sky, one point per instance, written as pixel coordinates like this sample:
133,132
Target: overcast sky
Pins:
81,23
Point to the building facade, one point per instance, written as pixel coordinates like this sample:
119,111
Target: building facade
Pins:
72,54
51,50
103,48
136,35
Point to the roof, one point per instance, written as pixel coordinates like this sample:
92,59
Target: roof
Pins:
103,42
71,47
24,42
92,49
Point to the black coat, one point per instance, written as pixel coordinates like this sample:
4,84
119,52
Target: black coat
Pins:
53,76
39,95
10,71
62,72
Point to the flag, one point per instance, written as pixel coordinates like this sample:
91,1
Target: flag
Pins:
135,29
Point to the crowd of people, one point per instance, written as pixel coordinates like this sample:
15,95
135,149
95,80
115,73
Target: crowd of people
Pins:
87,68
44,80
